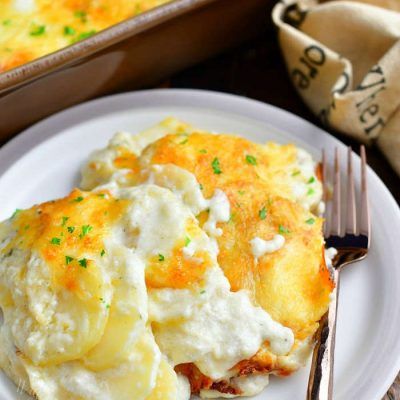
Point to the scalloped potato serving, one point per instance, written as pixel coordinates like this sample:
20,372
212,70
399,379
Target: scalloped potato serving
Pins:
189,263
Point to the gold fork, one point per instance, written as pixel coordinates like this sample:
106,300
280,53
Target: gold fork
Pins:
350,236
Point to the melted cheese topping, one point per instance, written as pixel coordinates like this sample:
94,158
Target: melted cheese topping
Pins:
30,29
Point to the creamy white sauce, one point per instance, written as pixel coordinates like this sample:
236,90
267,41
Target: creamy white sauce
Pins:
212,326
219,211
306,188
183,389
330,254
24,6
259,246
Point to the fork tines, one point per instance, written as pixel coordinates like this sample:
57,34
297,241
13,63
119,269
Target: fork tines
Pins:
350,218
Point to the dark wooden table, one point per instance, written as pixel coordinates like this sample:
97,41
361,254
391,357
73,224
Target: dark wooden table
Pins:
256,70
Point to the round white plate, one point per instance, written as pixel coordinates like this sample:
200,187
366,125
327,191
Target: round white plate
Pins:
44,161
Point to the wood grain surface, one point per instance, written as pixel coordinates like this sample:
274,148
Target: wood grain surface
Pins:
256,70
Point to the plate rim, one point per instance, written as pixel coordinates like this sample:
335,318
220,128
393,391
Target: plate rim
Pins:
38,133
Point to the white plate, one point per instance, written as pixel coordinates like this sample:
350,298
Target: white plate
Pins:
43,163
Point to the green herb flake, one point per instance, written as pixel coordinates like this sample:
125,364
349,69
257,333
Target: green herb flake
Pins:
216,167
203,151
283,229
108,306
311,180
251,160
68,260
187,241
6,22
184,141
102,195
64,221
262,213
84,35
70,229
85,230
310,192
310,221
161,257
241,192
69,31
56,241
83,262
38,30
201,186
202,292
82,15
102,253
26,227
296,172
16,212
77,199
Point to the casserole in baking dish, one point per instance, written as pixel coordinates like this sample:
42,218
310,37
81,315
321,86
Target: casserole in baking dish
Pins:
30,29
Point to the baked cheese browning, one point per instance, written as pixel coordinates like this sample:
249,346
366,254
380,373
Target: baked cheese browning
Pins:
177,271
30,29
219,159
291,283
62,231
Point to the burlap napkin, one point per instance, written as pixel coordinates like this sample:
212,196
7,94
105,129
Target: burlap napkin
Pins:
344,59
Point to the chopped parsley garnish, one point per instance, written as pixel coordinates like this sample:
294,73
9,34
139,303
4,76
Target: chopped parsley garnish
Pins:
38,30
102,195
201,186
26,227
82,15
69,30
77,199
311,180
202,292
85,35
251,159
83,262
262,213
310,221
187,241
7,22
102,253
68,259
70,229
215,166
282,229
17,211
64,221
85,230
108,306
184,141
203,151
56,241
310,192
295,173
241,192
161,257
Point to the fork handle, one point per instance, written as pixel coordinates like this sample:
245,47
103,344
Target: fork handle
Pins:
320,383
